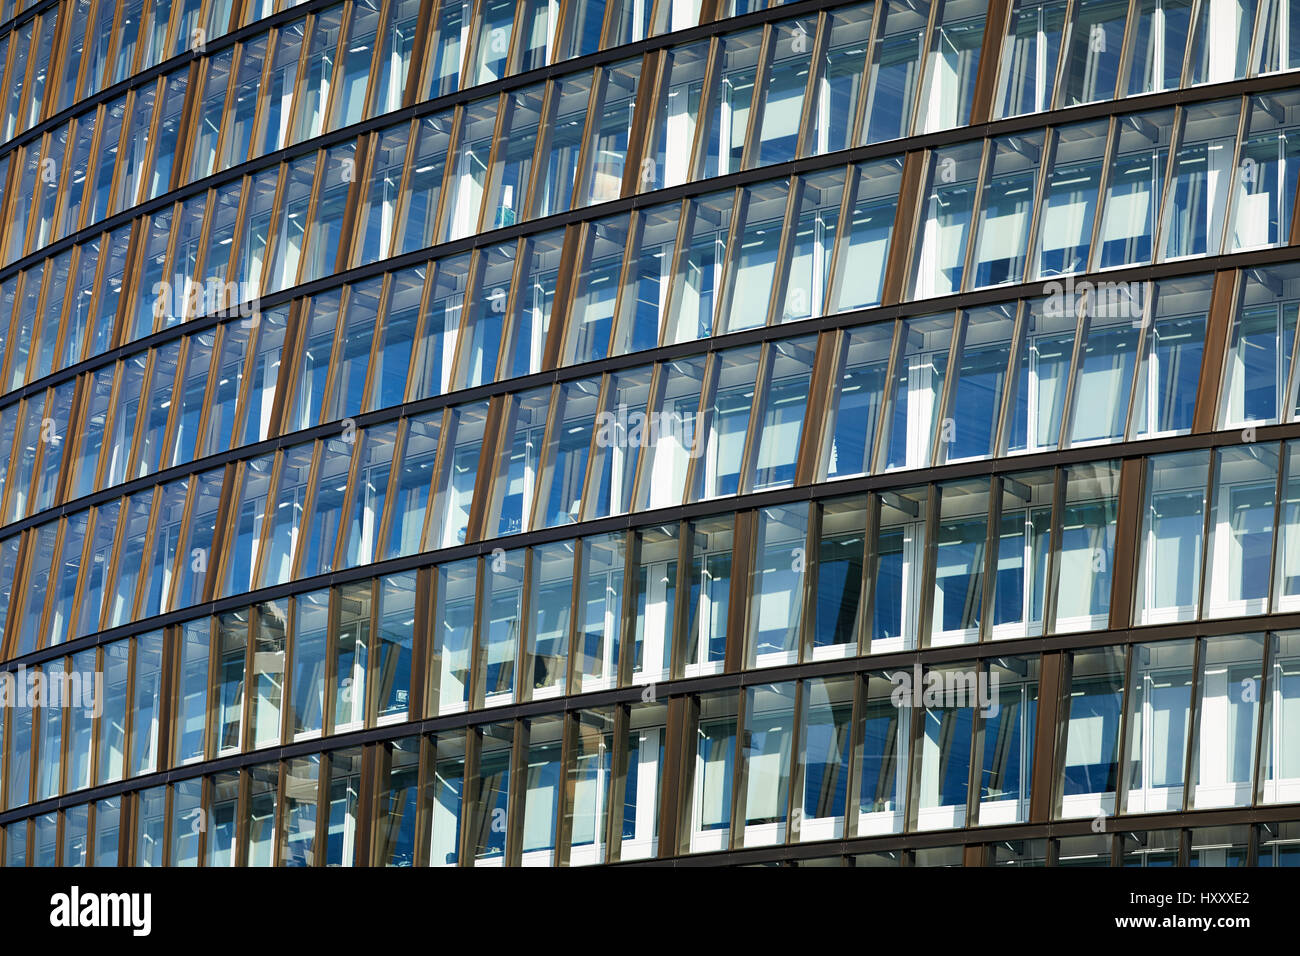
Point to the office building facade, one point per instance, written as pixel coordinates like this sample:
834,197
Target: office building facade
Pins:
688,432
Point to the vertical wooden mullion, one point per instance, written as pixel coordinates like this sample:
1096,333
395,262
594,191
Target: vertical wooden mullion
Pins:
996,24
740,774
345,513
246,705
515,800
881,446
1175,144
586,149
617,784
744,535
1264,730
731,255
415,74
1191,760
1052,691
641,135
816,70
304,55
948,391
870,561
510,321
784,254
927,51
753,430
704,419
309,506
604,396
708,99
900,243
682,615
1218,331
762,75
992,545
1230,207
554,421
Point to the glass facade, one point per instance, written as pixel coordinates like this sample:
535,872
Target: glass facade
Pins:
438,433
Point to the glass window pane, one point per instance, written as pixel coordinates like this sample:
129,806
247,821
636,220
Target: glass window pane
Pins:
1069,206
611,128
301,786
311,623
550,604
412,485
644,297
1009,714
669,156
731,100
1256,387
1040,371
1006,211
980,376
1200,180
726,423
1087,554
1220,47
882,757
423,187
777,586
841,556
1239,553
350,653
895,575
596,290
961,539
267,679
1093,49
1227,724
1164,397
714,759
1169,569
859,394
1267,172
655,581
231,652
542,790
671,449
752,269
512,163
951,66
705,639
914,411
1159,46
1159,718
789,66
895,70
945,225
499,624
767,758
487,817
1090,727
